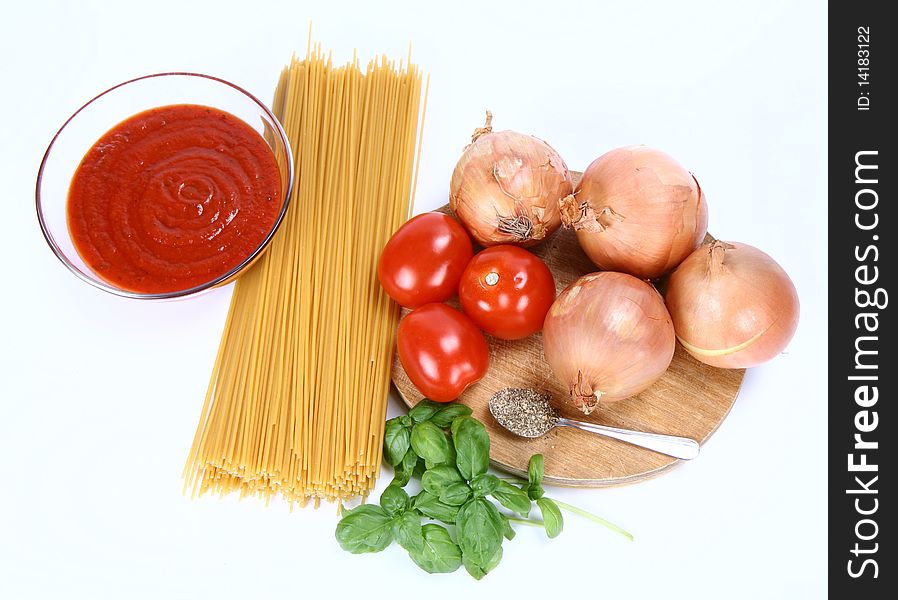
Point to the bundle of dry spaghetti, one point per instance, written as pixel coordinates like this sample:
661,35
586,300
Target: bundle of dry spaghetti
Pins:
297,398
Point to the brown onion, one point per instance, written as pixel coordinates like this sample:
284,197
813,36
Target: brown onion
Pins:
732,305
636,210
607,337
506,187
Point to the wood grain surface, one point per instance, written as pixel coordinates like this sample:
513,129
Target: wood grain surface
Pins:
691,400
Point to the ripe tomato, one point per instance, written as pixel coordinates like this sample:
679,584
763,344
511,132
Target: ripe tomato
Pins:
507,292
441,350
424,260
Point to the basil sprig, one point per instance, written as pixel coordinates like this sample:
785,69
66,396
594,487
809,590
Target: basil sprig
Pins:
449,450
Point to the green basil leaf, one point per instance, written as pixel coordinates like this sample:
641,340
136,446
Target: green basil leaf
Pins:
404,470
451,458
456,423
430,443
429,505
396,441
484,485
448,460
455,494
493,562
552,519
535,470
424,410
472,447
448,413
476,570
512,498
407,531
394,500
437,479
480,528
366,528
509,533
535,492
406,421
533,487
438,553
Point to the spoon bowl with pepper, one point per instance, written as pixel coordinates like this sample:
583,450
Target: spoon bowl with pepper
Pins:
527,413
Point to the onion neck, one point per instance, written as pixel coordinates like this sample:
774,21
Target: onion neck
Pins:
580,215
571,211
716,257
584,397
487,128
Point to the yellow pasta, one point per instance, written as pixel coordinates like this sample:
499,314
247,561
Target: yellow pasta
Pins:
297,398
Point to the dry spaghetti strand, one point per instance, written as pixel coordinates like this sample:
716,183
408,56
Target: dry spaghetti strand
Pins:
297,398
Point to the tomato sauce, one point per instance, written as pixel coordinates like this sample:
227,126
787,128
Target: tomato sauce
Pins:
172,198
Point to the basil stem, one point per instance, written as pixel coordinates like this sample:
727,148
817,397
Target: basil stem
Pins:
531,522
594,518
579,511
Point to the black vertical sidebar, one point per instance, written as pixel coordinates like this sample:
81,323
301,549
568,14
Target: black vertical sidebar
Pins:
862,367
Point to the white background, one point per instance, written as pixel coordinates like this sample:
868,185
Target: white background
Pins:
99,396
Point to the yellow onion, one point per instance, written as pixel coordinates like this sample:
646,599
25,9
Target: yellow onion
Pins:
732,305
636,210
607,337
506,187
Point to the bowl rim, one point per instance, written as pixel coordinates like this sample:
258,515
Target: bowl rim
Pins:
223,278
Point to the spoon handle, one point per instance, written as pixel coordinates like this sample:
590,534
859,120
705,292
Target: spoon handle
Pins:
678,447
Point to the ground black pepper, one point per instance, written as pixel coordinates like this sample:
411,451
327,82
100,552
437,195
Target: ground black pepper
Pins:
523,411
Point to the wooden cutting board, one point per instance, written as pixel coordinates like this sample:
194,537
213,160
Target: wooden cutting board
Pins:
691,400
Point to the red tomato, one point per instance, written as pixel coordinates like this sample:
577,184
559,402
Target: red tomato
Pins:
442,351
507,292
424,260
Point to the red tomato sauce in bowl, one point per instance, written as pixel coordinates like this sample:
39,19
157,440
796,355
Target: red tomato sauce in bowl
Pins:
173,198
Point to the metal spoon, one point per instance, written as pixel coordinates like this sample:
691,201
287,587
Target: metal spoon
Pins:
528,414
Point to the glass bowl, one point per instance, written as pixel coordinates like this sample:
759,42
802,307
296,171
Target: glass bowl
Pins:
82,130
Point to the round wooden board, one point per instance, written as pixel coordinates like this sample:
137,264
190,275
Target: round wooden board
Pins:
691,400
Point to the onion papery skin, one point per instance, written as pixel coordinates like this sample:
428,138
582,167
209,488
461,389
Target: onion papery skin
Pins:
607,337
638,211
732,305
506,189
